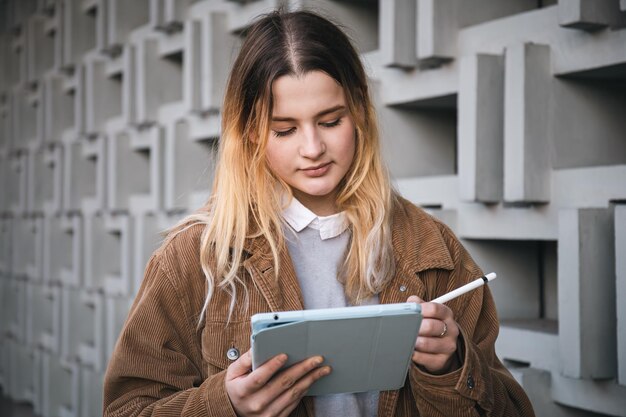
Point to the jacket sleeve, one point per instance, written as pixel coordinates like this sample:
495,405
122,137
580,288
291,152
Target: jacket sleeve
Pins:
482,386
156,366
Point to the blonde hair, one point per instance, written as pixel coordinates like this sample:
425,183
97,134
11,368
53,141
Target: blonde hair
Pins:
246,198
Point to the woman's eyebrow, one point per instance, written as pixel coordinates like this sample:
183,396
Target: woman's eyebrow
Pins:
320,114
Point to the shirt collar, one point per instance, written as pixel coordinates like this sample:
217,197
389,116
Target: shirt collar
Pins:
299,217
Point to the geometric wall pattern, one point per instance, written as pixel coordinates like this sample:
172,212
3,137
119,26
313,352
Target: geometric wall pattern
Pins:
504,118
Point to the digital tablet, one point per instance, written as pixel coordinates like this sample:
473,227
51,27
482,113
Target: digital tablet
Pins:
368,347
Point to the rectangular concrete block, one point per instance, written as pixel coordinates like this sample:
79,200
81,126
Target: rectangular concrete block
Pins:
587,306
15,318
27,118
128,171
70,262
91,392
44,178
22,368
209,51
129,85
480,128
80,329
532,345
398,33
243,12
58,109
6,248
589,397
92,348
116,19
78,175
32,323
147,238
103,96
4,363
149,142
17,183
118,278
152,69
18,45
198,158
71,409
620,288
57,251
50,336
168,15
437,25
116,310
84,174
102,252
475,12
8,66
43,319
359,17
527,107
59,383
590,14
5,185
5,124
39,48
27,250
78,32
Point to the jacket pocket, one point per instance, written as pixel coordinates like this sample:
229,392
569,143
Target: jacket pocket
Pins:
223,343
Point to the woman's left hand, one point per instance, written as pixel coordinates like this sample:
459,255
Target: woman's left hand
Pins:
436,345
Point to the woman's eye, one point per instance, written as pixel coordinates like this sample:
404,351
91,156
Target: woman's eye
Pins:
332,124
281,133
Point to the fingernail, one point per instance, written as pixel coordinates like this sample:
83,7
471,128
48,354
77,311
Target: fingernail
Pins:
282,357
318,360
326,370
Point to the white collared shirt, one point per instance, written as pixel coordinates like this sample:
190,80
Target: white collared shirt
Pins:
299,217
317,251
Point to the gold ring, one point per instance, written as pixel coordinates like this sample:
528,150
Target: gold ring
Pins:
445,330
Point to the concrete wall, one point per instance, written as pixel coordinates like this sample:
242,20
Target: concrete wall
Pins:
505,118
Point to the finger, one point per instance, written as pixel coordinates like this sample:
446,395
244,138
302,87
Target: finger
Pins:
290,398
435,345
240,367
436,311
258,378
288,378
414,299
434,328
432,362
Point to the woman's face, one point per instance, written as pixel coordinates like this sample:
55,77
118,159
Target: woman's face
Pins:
311,144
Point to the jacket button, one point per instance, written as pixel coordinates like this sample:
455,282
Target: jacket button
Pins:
470,382
232,354
402,288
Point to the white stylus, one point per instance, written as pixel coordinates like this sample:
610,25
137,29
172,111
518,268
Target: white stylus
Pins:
465,288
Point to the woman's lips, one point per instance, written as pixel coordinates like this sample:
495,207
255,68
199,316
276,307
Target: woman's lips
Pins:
317,171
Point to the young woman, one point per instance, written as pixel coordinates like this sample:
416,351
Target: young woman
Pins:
302,216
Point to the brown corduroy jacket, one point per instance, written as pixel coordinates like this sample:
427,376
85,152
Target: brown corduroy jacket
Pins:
164,364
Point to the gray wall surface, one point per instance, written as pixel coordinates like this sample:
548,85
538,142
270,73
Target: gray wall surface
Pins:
504,118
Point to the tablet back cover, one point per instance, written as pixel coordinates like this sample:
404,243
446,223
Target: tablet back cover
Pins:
365,353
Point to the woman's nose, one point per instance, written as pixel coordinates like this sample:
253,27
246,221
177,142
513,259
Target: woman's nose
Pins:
312,146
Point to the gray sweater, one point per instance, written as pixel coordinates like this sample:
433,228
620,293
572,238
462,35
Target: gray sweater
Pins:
316,262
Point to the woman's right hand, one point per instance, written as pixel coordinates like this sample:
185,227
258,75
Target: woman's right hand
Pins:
266,391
